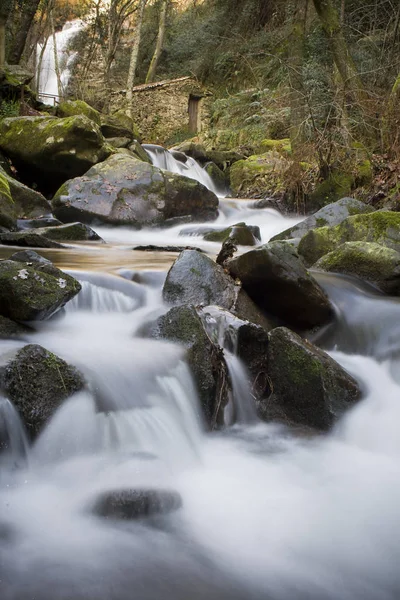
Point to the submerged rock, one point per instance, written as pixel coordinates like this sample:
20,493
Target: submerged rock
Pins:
329,215
309,387
368,261
47,150
136,503
34,292
382,227
275,278
183,325
37,382
38,223
126,191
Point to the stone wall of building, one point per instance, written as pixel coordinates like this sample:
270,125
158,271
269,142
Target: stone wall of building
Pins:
161,109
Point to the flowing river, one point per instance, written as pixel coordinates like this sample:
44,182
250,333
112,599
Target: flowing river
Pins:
265,515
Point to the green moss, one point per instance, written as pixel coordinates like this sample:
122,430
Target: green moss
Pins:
282,146
78,107
336,186
195,272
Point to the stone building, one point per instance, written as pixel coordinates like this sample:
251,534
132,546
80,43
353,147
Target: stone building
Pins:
167,111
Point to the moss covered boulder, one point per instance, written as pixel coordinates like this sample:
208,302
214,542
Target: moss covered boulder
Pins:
329,215
28,203
241,234
27,239
309,388
8,210
118,125
381,227
261,172
123,190
183,325
368,261
33,292
11,330
71,108
275,278
37,381
47,150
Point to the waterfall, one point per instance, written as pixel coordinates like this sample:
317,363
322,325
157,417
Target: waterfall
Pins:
164,159
48,85
13,438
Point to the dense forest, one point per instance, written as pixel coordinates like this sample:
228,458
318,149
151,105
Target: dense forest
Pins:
322,73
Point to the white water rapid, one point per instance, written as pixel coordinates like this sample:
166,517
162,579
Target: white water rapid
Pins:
48,84
265,515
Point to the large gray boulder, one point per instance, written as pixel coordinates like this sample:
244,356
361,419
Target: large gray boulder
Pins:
37,382
27,239
196,279
126,191
274,277
368,261
72,232
329,215
309,388
47,150
30,291
183,325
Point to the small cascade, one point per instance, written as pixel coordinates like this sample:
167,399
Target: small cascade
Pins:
241,408
48,85
13,438
159,422
164,159
98,299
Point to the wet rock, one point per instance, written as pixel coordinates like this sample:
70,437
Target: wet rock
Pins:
72,232
11,330
309,387
275,278
47,150
38,223
139,152
30,257
153,248
37,382
329,215
126,191
241,234
27,239
71,108
220,179
135,504
34,292
183,325
368,261
179,156
27,202
196,279
381,227
244,339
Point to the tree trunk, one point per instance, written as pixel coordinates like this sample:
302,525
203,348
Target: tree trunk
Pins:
134,57
2,42
344,63
159,44
18,45
56,63
297,91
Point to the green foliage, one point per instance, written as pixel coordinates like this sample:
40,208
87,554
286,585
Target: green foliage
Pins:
9,108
